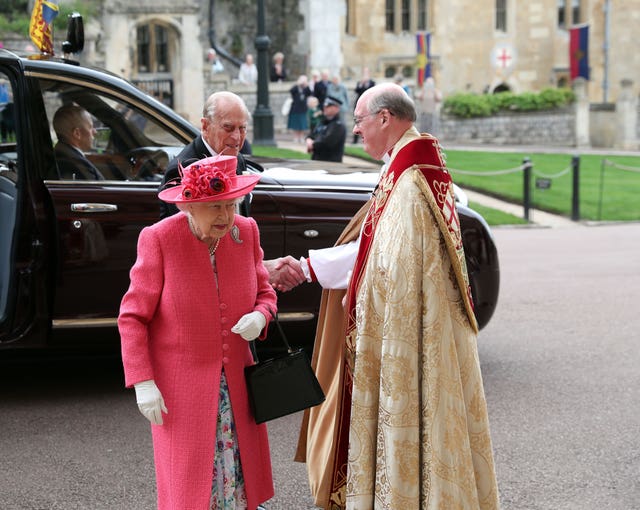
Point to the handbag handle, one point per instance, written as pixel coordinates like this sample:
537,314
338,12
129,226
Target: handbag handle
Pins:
282,335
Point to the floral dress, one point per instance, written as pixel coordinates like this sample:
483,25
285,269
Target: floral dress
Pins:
228,483
227,490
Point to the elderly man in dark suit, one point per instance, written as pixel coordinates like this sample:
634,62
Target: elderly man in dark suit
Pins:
223,131
74,128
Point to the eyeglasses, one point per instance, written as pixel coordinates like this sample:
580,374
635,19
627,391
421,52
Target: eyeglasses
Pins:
358,120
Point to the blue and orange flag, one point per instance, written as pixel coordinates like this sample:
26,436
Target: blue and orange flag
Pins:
41,24
423,61
579,52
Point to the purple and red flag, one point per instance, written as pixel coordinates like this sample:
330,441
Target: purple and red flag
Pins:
579,52
423,61
41,24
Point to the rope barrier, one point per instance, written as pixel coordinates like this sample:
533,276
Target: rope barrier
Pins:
552,176
619,166
494,172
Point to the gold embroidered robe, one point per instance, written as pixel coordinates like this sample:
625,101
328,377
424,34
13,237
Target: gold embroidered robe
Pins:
419,432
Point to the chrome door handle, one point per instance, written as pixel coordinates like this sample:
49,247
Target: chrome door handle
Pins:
93,208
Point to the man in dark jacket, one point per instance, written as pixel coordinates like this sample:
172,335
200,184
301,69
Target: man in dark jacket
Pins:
74,128
223,131
326,143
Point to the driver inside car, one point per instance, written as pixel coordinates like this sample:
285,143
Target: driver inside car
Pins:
74,128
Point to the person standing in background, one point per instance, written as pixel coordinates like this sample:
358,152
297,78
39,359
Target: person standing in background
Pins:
321,86
364,83
315,78
314,113
248,74
278,71
326,142
214,61
297,121
337,90
429,98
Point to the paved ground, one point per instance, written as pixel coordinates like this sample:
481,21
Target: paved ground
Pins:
559,361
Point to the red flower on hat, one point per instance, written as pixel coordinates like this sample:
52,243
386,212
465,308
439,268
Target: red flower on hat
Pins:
201,181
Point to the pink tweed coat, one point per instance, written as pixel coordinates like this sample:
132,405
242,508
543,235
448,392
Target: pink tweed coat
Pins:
175,327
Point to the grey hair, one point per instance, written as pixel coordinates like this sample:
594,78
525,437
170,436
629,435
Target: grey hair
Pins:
184,206
396,101
209,109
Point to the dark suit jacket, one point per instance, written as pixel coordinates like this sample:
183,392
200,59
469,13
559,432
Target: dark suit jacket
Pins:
328,140
193,152
320,91
72,164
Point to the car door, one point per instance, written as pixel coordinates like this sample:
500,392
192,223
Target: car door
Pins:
23,266
97,222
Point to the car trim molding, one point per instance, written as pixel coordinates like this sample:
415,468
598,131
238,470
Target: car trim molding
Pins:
108,322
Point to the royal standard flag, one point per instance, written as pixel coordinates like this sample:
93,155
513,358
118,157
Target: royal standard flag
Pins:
579,52
423,61
40,27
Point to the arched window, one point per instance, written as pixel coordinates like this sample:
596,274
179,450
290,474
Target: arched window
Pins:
153,49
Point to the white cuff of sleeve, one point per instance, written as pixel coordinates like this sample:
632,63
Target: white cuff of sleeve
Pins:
304,265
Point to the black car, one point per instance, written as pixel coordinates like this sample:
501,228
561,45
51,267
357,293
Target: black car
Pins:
66,246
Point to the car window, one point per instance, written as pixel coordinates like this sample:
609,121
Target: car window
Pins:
127,144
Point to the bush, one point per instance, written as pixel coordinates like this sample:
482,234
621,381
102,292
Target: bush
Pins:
17,18
476,105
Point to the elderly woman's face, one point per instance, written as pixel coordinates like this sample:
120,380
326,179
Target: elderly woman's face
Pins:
212,220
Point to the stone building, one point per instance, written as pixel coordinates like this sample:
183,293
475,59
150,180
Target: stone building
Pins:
484,45
476,45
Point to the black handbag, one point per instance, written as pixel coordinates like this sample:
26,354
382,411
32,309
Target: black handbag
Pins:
282,385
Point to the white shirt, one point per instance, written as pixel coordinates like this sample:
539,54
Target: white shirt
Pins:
333,266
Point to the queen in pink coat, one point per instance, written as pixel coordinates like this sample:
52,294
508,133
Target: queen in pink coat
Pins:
199,292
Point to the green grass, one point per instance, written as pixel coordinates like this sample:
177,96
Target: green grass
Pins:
496,217
620,188
619,192
266,151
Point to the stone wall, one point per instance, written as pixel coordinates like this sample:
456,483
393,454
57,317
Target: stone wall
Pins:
536,128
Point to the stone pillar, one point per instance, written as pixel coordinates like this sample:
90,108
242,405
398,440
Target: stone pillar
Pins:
582,112
626,117
189,93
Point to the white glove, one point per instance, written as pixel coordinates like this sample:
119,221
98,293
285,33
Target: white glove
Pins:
250,325
150,401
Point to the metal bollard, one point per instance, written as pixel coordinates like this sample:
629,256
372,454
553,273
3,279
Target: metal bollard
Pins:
575,199
526,193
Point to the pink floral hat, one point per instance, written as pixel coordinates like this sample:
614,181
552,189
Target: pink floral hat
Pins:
209,179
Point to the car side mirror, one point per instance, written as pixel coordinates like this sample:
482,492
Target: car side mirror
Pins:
75,34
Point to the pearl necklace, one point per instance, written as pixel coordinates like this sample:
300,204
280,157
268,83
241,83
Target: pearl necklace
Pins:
213,247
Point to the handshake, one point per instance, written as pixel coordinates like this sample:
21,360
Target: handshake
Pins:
285,273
